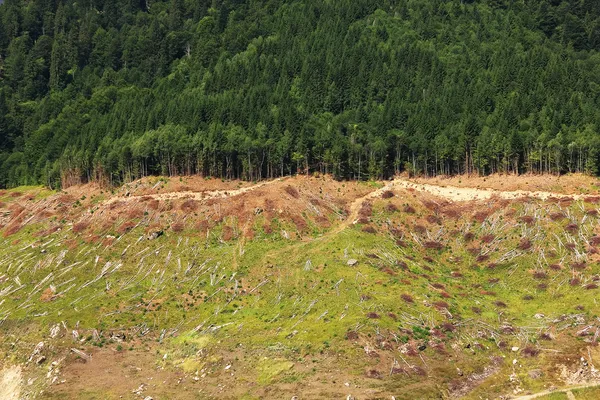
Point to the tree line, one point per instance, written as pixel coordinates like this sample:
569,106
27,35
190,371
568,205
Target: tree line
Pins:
114,90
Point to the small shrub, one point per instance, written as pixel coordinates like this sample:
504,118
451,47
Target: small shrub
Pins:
557,216
574,281
489,238
407,298
189,206
527,219
579,266
572,228
391,208
433,245
530,351
292,191
80,227
524,244
540,275
441,304
388,194
433,219
177,227
481,216
369,229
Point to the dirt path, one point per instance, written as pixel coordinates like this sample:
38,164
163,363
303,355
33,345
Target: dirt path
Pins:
567,390
198,196
10,383
469,194
355,206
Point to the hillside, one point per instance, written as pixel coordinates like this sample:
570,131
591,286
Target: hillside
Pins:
111,91
203,288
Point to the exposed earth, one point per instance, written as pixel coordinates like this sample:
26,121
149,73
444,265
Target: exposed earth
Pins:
194,288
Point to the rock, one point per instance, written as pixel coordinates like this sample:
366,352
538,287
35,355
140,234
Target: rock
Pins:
459,372
154,235
539,316
294,397
422,347
148,398
352,262
40,360
535,373
515,349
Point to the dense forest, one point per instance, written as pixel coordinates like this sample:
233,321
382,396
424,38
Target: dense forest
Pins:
112,90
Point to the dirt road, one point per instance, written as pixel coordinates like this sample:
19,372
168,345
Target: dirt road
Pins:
199,196
10,383
567,390
469,194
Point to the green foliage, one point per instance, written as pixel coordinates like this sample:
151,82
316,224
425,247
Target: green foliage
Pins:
360,89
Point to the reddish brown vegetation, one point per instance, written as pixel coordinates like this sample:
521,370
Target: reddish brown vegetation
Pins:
524,244
441,304
530,351
489,238
351,335
433,245
80,226
540,275
527,219
433,219
574,281
365,212
572,228
579,266
391,208
125,227
409,209
189,206
178,227
292,191
227,233
557,216
407,298
369,229
481,216
388,194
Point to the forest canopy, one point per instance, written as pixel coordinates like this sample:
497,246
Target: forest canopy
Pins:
113,90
